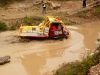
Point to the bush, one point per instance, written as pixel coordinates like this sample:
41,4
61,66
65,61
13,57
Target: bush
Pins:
7,2
12,28
80,68
3,26
32,20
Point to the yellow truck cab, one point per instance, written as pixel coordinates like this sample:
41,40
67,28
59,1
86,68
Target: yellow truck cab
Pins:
52,27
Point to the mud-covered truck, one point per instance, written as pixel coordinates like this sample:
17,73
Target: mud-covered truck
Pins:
51,27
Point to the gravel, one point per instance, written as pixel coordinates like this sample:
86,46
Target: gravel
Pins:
95,70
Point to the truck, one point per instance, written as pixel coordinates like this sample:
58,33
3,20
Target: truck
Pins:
50,27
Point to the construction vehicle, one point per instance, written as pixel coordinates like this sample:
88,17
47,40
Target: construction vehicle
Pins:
51,27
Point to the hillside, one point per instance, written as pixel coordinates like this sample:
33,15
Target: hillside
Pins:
13,13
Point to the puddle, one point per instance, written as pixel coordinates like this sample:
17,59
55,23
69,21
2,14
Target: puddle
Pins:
44,57
90,31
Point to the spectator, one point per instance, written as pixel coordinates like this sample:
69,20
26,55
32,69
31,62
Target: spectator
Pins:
84,3
44,8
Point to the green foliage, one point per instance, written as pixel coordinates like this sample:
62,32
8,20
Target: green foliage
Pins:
97,9
7,2
28,20
12,28
3,26
80,68
32,19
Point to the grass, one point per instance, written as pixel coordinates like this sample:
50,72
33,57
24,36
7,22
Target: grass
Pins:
3,26
80,68
12,28
5,2
13,24
97,9
16,23
29,20
8,2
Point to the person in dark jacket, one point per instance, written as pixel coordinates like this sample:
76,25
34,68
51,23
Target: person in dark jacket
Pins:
84,3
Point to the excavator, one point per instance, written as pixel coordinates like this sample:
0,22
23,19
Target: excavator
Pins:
51,27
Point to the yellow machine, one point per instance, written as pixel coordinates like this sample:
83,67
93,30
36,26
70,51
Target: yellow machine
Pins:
52,27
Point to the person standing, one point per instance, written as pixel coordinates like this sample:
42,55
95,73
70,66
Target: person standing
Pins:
84,3
44,8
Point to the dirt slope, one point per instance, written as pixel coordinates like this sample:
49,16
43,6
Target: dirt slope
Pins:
19,10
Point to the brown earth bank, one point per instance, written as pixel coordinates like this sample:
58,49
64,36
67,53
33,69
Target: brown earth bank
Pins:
13,14
42,57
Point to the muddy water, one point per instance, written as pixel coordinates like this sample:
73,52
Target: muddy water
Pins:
90,31
42,57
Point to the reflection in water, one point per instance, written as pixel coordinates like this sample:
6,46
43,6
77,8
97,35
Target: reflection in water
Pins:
44,62
35,63
12,69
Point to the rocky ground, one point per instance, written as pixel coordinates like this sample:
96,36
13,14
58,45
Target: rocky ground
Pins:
95,70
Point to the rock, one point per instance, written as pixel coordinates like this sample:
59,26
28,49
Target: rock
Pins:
95,70
38,2
55,5
4,60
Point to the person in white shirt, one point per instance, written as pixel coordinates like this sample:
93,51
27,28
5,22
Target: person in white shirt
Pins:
44,8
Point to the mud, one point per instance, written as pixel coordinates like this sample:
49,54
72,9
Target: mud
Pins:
91,31
43,57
